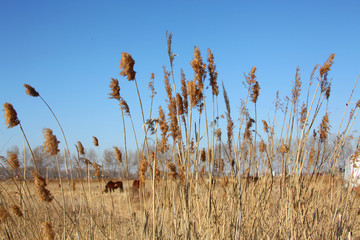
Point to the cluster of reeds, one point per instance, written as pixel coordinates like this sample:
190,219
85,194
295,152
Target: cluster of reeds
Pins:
194,184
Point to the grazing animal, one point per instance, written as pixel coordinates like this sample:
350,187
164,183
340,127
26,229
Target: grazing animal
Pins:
136,184
114,185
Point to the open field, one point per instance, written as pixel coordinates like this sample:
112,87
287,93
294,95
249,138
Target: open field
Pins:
324,210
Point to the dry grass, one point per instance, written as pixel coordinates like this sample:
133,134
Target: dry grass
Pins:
323,210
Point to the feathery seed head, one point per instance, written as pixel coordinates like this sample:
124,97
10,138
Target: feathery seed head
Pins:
327,65
80,148
164,130
143,165
303,113
265,126
167,84
174,126
124,106
212,73
51,142
324,127
218,134
127,65
13,160
199,68
118,154
262,146
10,115
284,148
311,157
96,142
47,231
16,210
203,155
184,92
180,104
115,89
31,91
3,214
40,185
297,86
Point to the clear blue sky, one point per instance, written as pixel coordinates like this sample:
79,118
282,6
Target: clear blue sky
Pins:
69,50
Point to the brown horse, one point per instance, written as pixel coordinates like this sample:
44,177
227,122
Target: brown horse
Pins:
136,184
114,185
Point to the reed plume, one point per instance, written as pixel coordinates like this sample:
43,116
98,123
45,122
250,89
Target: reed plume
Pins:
284,148
184,92
10,115
174,126
218,134
170,53
13,161
80,148
95,141
127,65
151,85
164,130
262,146
143,165
118,154
40,185
192,92
3,214
303,113
172,170
180,104
324,127
311,157
15,209
247,134
199,76
255,92
29,90
212,73
47,231
51,142
168,88
115,89
265,126
327,65
124,106
203,155
297,86
97,169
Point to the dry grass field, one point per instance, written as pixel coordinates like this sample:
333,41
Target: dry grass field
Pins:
187,145
325,210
